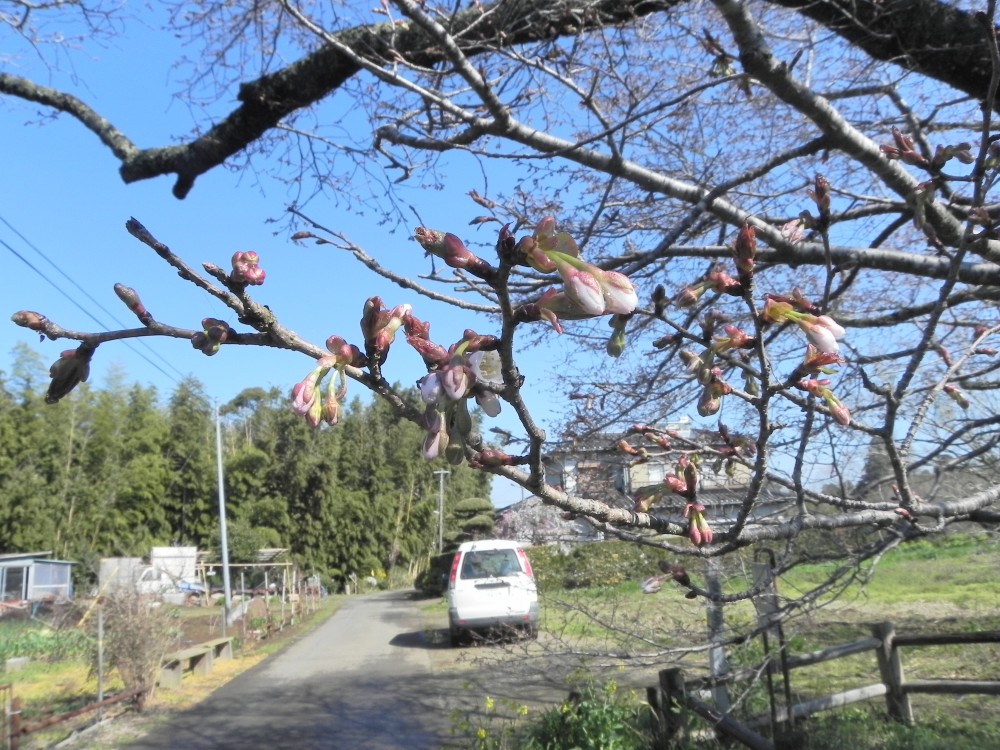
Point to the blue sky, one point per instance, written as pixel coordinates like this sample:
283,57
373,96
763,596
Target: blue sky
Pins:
61,200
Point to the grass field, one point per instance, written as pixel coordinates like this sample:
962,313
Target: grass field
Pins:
949,586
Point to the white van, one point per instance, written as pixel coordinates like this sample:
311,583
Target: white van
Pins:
490,588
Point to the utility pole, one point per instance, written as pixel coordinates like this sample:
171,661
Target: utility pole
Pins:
223,536
441,474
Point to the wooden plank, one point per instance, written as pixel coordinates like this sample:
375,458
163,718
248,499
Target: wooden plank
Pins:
837,700
953,687
833,652
728,726
949,639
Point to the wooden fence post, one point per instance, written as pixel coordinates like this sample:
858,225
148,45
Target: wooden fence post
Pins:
890,667
15,723
718,666
673,706
654,697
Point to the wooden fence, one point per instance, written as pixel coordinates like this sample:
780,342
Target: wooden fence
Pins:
14,728
674,699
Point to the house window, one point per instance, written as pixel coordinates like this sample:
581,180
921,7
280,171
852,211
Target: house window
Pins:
13,583
655,472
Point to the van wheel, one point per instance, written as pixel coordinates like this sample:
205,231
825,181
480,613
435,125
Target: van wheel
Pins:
455,638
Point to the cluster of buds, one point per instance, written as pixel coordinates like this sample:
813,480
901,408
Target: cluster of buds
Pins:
683,482
699,532
67,372
904,151
822,331
978,333
703,368
306,394
733,447
213,334
588,291
821,389
246,269
469,368
714,389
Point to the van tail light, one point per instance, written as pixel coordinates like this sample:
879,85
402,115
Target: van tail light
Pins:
524,562
454,570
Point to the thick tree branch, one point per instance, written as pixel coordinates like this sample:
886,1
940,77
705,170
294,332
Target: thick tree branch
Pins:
269,99
929,37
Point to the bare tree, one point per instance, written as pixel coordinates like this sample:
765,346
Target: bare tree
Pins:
784,210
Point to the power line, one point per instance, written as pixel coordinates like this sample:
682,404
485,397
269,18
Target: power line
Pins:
83,291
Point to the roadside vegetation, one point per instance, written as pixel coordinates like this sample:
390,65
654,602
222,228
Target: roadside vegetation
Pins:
59,672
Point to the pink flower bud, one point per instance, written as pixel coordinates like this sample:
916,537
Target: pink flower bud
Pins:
956,395
303,395
450,249
676,484
823,332
67,372
331,406
430,388
652,584
29,319
690,295
841,414
246,269
436,441
694,533
489,402
456,380
582,288
619,293
132,302
776,311
745,248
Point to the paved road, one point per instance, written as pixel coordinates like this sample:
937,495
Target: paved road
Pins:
361,680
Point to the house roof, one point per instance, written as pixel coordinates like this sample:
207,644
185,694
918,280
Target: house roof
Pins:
32,555
598,442
9,558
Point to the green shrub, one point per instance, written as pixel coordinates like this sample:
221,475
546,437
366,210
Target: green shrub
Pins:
35,640
593,565
596,718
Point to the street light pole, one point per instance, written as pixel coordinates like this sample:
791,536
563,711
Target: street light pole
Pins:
441,474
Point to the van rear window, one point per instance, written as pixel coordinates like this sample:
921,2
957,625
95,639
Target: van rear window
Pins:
490,563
